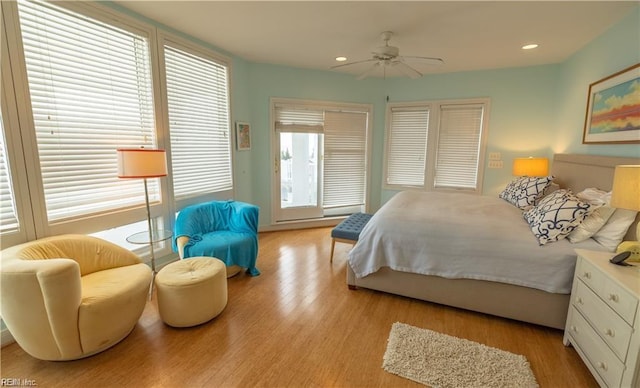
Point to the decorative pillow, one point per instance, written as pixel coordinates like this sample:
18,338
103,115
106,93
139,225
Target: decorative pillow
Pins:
524,191
612,233
591,224
549,189
556,216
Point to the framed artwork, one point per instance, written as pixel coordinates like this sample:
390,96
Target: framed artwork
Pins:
243,136
613,109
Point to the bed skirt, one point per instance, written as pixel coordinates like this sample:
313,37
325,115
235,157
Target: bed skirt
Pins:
500,299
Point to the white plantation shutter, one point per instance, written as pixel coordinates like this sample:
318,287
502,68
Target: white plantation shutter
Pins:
458,146
198,100
345,141
8,216
90,87
407,146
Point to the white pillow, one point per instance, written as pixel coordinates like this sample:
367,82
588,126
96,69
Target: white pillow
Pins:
595,196
556,216
612,233
524,191
592,224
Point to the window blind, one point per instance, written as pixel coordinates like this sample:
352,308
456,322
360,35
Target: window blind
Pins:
345,144
299,119
90,86
407,146
8,215
458,146
198,101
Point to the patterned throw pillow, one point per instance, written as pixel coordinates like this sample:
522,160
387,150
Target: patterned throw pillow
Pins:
524,191
556,216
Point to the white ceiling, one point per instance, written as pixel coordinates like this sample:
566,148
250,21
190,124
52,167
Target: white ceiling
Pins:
468,35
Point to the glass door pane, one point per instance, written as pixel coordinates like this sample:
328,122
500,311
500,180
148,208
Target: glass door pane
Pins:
299,169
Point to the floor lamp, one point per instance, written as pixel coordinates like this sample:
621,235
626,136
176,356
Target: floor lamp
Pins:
141,163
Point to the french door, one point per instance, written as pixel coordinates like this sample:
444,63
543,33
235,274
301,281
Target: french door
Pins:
320,159
299,174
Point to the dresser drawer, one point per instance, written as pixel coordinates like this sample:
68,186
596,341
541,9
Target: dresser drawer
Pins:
603,361
620,300
612,329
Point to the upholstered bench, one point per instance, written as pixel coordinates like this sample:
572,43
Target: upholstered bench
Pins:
348,231
191,291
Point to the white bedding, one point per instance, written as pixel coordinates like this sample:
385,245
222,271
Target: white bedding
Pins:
456,235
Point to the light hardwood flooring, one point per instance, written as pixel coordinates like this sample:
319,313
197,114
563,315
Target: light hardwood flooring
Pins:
295,325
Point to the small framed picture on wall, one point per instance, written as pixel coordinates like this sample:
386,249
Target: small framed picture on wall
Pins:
243,136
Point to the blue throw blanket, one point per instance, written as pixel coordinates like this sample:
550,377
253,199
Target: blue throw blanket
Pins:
227,230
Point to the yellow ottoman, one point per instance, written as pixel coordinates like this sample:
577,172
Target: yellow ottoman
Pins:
191,291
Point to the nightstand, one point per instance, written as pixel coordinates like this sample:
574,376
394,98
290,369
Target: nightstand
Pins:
603,323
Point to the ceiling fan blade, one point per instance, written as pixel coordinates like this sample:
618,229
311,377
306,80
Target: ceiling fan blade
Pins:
408,70
427,60
352,63
369,71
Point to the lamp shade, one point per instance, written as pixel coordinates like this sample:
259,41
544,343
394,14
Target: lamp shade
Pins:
141,163
626,187
530,167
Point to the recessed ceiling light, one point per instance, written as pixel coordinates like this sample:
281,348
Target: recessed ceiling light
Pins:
529,46
341,59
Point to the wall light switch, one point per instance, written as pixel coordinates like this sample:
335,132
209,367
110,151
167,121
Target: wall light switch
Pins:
494,156
495,164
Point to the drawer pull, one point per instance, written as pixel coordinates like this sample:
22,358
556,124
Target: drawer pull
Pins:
614,298
587,275
574,328
610,333
603,366
580,301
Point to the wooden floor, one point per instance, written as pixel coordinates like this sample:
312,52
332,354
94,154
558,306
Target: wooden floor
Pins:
296,325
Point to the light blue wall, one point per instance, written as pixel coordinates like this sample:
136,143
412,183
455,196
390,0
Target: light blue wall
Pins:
521,117
534,110
241,111
616,49
268,81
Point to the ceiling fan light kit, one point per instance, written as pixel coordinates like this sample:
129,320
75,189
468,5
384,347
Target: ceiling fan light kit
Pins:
389,56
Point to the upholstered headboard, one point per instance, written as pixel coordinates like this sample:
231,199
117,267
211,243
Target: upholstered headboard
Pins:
579,172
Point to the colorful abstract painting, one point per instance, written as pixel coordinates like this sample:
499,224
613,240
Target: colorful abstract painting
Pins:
243,136
613,113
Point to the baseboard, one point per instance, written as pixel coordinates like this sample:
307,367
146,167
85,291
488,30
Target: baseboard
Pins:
6,338
301,224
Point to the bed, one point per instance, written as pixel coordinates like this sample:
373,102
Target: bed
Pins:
471,264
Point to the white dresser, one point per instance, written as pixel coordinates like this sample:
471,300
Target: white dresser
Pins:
603,323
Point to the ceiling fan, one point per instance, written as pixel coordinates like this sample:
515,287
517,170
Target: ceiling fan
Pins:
389,56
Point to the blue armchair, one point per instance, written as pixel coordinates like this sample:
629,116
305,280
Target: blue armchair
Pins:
227,230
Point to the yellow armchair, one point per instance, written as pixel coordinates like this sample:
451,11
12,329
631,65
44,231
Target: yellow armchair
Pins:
71,296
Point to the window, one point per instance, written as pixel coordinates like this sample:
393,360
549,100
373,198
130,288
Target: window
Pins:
436,145
91,93
198,101
8,214
86,80
345,161
407,146
458,146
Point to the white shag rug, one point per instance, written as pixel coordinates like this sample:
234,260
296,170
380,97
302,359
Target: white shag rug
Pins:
439,360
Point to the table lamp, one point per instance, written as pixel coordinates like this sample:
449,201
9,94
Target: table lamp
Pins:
531,167
626,195
142,163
